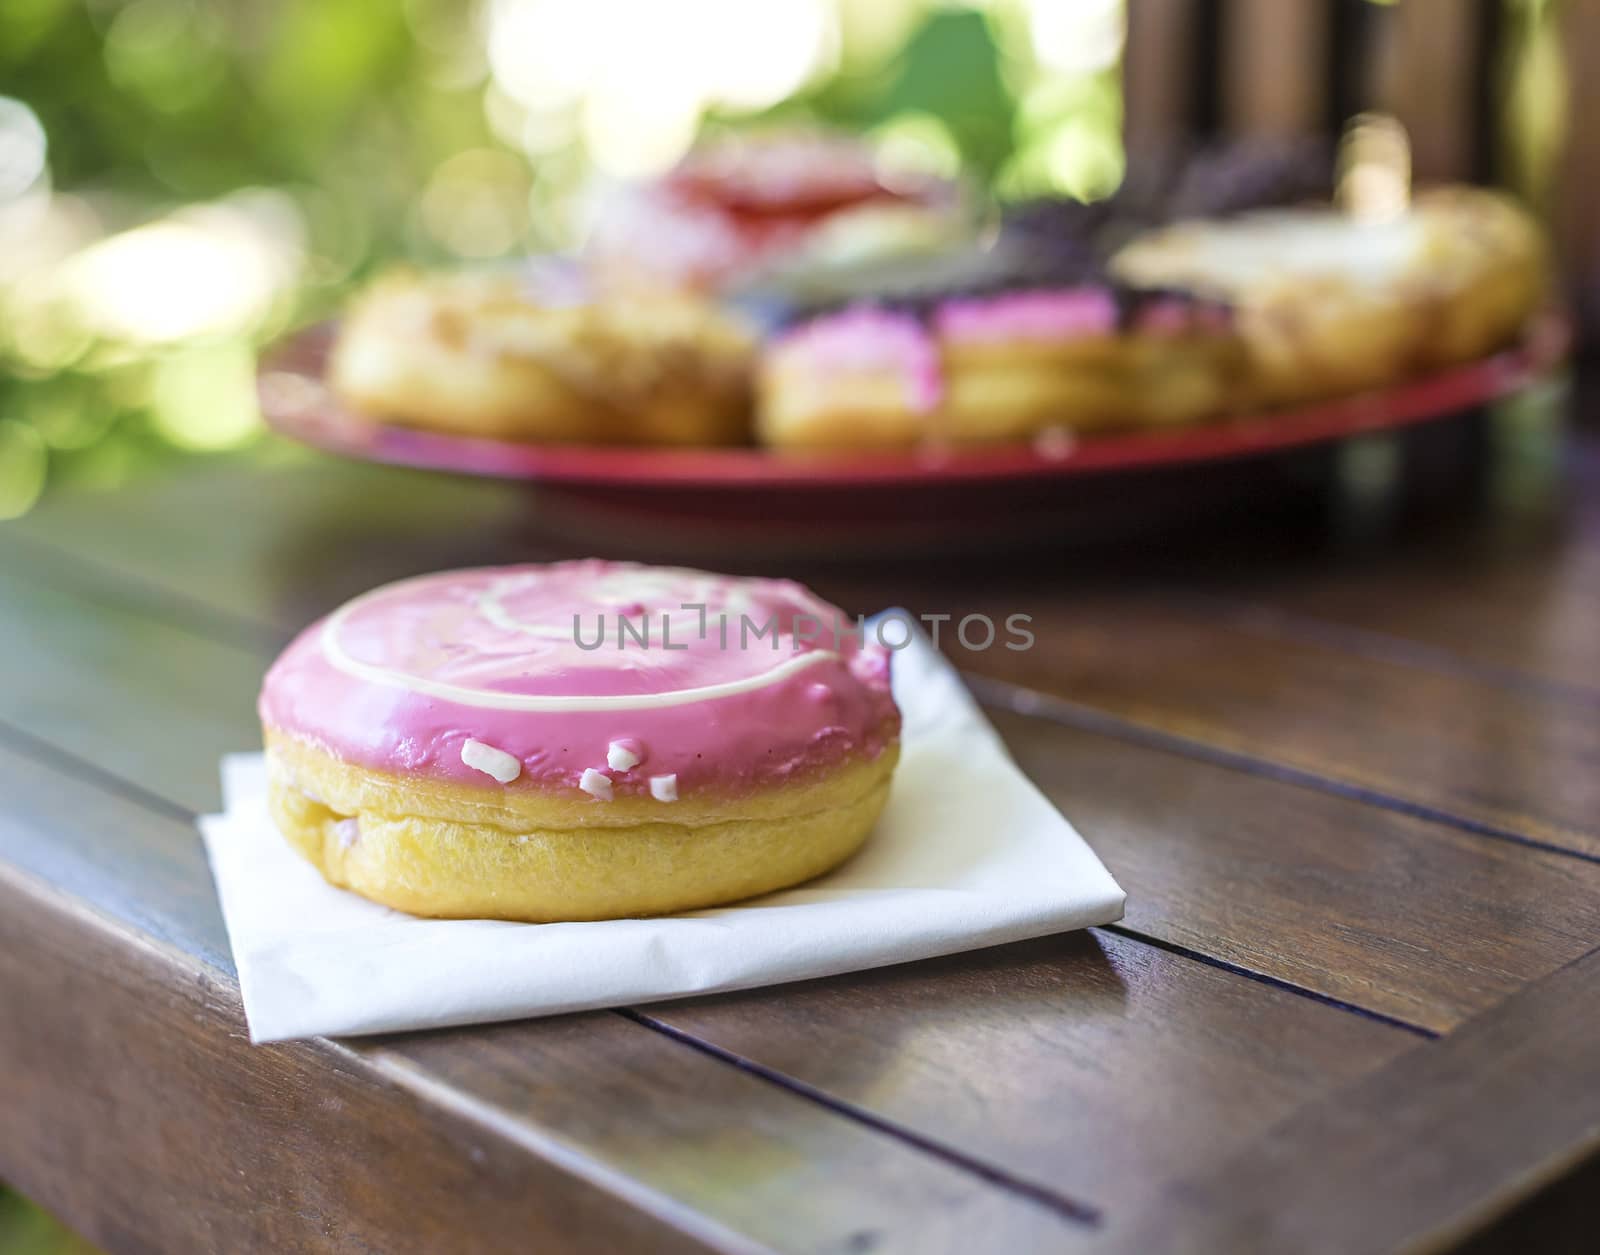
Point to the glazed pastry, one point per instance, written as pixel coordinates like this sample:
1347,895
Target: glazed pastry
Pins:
1490,272
745,207
503,356
1328,304
498,743
1002,364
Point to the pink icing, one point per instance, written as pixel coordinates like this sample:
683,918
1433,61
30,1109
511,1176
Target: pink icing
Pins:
1041,315
399,679
865,338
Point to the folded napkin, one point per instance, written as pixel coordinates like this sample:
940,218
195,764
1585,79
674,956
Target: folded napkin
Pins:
967,854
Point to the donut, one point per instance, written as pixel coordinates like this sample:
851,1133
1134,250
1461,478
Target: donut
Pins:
502,356
578,741
1329,304
996,365
1491,271
743,207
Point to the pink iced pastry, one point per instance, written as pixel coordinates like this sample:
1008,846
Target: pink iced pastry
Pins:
1045,314
991,364
866,339
743,206
603,680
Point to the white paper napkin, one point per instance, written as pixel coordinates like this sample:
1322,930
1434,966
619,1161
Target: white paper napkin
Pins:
967,854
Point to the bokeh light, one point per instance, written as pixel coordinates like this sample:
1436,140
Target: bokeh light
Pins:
204,397
1077,36
22,467
203,274
22,150
180,182
641,97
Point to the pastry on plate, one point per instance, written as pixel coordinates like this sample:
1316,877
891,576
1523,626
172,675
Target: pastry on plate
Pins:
585,740
511,357
998,364
743,207
1329,304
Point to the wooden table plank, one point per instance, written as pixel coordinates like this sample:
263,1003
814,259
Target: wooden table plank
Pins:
1512,596
125,854
282,544
566,1133
153,705
1453,745
1399,916
1524,617
1091,1064
136,1111
1514,1094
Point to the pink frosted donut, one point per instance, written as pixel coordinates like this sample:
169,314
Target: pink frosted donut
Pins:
1046,314
1008,364
578,741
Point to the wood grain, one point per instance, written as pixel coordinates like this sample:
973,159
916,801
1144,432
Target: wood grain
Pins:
1425,59
1229,680
1522,617
1513,1095
1157,70
151,704
1090,1064
281,545
1273,67
138,1111
1577,205
1396,915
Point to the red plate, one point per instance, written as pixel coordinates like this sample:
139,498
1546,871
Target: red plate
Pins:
297,403
720,504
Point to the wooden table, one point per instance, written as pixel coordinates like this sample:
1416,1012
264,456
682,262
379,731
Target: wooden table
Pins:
1353,794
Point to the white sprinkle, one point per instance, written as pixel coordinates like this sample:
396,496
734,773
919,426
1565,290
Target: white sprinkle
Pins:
622,755
595,783
490,761
664,788
348,830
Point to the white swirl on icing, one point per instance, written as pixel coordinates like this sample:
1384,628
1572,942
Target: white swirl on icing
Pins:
679,588
339,658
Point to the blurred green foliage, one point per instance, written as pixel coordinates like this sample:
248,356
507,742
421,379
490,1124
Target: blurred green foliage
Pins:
28,1230
362,130
152,105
